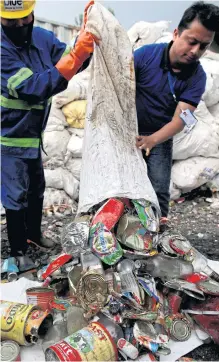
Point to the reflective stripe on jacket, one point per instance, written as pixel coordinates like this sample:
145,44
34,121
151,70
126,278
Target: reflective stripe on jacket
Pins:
29,79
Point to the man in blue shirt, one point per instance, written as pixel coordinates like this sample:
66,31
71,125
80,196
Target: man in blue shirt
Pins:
35,65
169,84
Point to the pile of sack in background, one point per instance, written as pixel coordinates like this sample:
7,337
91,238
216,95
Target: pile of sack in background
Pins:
195,151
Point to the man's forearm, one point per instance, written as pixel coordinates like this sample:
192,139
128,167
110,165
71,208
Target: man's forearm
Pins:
168,131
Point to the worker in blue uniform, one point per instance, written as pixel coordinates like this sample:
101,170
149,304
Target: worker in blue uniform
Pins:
35,66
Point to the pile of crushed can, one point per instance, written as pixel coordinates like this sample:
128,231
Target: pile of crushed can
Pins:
118,291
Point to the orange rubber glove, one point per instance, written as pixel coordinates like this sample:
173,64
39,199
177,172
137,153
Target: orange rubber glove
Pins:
71,63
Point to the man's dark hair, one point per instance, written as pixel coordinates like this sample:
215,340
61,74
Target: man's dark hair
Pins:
206,14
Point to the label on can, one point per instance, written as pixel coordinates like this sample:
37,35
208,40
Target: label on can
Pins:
10,351
40,296
92,343
35,320
128,348
13,320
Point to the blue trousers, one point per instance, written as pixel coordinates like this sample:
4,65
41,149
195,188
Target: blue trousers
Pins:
159,164
22,190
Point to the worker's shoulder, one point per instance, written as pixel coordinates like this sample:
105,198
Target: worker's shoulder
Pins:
43,35
151,50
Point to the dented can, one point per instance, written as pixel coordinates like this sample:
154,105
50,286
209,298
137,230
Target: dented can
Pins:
14,317
38,323
10,351
109,214
92,343
127,348
174,301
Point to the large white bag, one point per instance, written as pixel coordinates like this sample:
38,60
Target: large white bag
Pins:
111,165
77,89
55,144
194,172
142,33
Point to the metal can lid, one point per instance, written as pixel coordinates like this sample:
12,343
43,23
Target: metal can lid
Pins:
9,351
180,329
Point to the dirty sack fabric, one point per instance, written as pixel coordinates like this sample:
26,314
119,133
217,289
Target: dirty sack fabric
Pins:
112,166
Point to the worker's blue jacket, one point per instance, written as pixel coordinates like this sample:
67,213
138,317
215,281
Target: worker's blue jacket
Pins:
29,79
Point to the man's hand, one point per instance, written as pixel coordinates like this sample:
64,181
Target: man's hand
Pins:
145,143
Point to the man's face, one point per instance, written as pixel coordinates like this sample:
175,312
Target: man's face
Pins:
17,22
191,44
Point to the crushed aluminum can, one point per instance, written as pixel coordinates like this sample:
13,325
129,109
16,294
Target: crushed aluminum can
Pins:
56,264
147,215
195,278
174,301
92,291
147,316
74,237
178,327
132,233
179,244
188,288
73,278
209,287
109,214
89,261
104,244
127,348
130,285
10,352
159,324
144,332
40,296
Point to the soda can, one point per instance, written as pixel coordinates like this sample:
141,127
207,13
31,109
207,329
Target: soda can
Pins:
10,351
40,296
91,343
128,348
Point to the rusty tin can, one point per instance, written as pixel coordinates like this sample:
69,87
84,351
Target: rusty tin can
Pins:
10,351
92,343
40,296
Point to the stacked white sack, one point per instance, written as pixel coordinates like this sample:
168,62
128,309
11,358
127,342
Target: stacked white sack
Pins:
63,145
198,148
